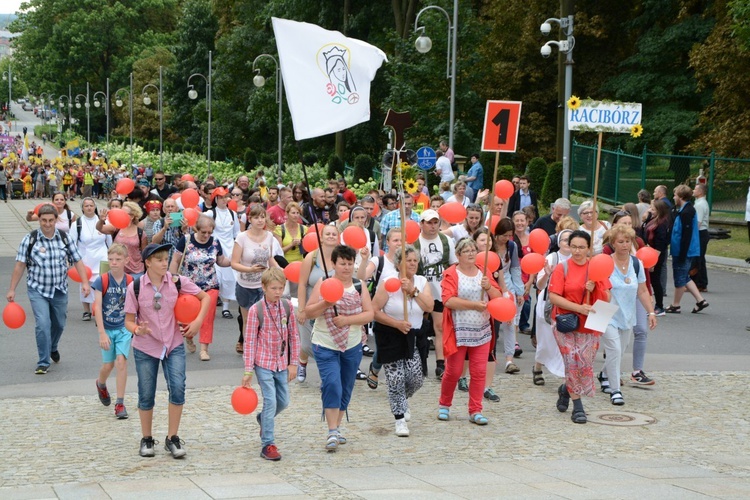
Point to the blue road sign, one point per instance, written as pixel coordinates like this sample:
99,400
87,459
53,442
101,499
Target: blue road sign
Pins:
426,158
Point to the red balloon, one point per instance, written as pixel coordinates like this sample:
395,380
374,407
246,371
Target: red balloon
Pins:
232,205
539,241
375,210
492,261
244,400
310,241
355,237
601,267
504,189
14,316
492,221
344,216
292,270
453,212
392,284
186,308
187,178
502,309
191,216
73,274
318,228
532,263
331,290
119,218
648,255
36,208
190,198
412,231
125,186
174,196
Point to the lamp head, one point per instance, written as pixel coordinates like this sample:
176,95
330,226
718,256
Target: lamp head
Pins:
192,94
545,28
78,105
259,80
423,44
118,103
87,104
97,104
146,100
546,51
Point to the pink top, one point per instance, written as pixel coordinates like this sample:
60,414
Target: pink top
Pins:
134,265
276,346
165,334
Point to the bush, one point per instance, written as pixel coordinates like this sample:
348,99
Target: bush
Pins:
505,172
363,167
249,159
553,184
177,148
309,159
218,153
266,159
536,171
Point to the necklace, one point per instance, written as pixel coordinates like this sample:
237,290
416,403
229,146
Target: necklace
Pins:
623,268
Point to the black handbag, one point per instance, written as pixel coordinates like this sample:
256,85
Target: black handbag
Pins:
568,322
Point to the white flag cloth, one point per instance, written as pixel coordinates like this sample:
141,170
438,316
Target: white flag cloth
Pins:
25,149
326,76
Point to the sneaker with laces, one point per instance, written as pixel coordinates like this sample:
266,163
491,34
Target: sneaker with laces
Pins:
301,373
147,447
270,452
407,415
659,311
55,356
490,395
640,378
174,446
332,441
512,368
41,370
120,411
402,430
103,394
463,384
518,351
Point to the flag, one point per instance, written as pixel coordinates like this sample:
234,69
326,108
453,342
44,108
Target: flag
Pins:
25,150
326,76
74,149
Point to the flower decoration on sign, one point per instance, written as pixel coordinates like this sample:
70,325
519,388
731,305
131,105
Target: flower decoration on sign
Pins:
636,131
410,186
574,102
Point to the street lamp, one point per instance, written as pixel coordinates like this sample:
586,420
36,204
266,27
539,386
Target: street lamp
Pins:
147,101
566,47
193,94
67,103
10,77
97,103
118,103
259,81
87,105
423,44
42,99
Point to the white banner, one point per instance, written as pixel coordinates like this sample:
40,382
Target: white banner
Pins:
326,76
602,116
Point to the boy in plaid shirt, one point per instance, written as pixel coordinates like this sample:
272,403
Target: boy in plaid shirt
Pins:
272,349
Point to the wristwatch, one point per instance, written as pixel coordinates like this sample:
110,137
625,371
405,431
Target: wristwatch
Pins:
416,293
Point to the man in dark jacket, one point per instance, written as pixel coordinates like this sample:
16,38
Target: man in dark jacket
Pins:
522,198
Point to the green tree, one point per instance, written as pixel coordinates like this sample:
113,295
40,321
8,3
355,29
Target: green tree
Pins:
536,171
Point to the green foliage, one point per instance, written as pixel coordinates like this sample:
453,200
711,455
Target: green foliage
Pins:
505,172
249,159
536,171
363,167
553,185
177,148
266,159
361,187
335,167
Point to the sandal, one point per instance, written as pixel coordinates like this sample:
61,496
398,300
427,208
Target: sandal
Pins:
190,345
538,376
366,351
478,419
443,414
361,375
563,398
673,309
604,381
87,316
578,416
227,315
699,306
205,356
372,379
533,341
616,398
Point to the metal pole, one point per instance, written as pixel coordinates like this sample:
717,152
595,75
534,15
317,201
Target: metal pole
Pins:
568,92
106,113
88,116
70,106
161,130
281,103
209,111
454,44
131,120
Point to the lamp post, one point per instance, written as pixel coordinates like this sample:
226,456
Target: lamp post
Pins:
42,99
147,101
193,94
87,105
566,47
97,103
259,80
118,103
8,75
423,45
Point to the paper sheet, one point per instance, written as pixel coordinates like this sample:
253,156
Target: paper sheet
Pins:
600,316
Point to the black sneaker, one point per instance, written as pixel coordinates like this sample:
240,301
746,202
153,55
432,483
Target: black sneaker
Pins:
640,378
174,446
41,370
55,355
518,351
147,447
490,395
439,370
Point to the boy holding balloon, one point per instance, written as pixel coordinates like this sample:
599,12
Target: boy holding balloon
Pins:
272,349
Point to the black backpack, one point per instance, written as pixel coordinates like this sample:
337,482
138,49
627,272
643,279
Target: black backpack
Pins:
34,237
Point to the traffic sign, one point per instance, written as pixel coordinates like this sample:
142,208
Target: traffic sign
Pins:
426,157
501,123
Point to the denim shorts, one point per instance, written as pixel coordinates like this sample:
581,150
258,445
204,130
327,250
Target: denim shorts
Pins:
147,368
681,271
338,371
246,297
119,344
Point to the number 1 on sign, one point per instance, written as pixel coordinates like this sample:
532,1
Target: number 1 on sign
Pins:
501,120
501,123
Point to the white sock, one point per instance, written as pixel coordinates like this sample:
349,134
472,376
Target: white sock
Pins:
224,304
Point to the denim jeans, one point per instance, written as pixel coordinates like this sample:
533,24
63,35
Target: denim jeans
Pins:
338,371
50,316
275,389
147,368
524,323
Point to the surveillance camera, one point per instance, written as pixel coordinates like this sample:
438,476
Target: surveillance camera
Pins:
546,51
545,28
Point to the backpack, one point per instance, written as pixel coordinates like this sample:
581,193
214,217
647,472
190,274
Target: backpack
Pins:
79,226
231,212
260,313
140,237
373,284
301,232
105,283
34,237
445,260
137,286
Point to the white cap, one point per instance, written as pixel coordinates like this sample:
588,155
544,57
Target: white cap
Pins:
429,215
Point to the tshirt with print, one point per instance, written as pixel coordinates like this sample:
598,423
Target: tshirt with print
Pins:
113,302
431,255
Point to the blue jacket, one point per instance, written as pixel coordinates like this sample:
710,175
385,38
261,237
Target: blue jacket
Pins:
685,241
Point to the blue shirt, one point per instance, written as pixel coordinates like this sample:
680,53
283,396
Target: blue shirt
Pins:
113,302
524,199
50,259
477,171
625,295
391,220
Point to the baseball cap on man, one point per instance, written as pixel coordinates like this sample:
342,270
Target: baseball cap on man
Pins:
143,182
153,248
428,215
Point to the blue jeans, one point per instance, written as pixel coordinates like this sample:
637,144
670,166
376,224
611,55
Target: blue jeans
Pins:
275,389
523,322
147,368
50,316
338,371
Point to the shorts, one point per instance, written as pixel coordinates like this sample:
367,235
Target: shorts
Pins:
681,271
119,339
438,307
246,297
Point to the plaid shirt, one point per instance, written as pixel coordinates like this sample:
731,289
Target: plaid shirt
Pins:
268,347
50,259
393,219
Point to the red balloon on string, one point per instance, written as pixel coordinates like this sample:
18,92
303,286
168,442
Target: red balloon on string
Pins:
73,274
119,218
331,290
191,216
648,255
601,267
492,221
186,308
244,400
14,316
412,231
36,208
232,205
453,212
504,189
355,237
532,263
392,284
344,216
539,241
292,271
125,186
492,262
190,198
502,309
187,178
310,241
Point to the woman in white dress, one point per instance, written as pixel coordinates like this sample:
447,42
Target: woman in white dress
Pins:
226,230
92,245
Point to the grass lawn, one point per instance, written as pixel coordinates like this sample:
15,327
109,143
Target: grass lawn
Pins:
736,247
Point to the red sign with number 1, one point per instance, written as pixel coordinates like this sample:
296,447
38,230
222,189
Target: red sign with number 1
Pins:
501,121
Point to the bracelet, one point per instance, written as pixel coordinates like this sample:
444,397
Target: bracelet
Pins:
651,314
248,374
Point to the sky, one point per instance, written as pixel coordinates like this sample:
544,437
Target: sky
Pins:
9,6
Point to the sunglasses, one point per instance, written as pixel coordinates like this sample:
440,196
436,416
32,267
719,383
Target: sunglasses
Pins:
236,194
157,298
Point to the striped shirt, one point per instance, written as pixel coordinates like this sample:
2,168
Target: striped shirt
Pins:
276,345
50,259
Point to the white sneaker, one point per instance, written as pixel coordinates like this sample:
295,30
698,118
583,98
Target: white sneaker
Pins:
301,373
401,429
407,416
